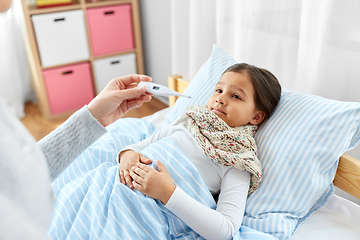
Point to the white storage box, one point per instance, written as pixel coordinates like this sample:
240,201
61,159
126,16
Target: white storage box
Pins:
61,37
106,69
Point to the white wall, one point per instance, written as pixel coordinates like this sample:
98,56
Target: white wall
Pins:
156,39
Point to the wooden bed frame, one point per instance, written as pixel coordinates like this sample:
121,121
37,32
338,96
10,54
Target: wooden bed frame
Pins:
348,173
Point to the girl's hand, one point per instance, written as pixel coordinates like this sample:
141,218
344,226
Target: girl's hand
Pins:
129,159
157,185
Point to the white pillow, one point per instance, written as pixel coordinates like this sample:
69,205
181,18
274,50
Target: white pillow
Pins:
299,147
203,84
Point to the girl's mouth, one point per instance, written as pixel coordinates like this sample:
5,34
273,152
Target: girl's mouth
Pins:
218,110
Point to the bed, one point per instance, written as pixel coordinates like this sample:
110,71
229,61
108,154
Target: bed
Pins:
294,201
339,217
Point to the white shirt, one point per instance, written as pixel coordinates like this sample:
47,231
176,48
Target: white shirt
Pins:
27,168
231,183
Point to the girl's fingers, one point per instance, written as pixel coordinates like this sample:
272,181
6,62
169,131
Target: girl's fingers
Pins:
137,178
137,186
134,78
139,171
121,175
145,160
128,179
125,178
145,167
139,174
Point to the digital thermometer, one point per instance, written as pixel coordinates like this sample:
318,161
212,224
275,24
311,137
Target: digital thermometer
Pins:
161,90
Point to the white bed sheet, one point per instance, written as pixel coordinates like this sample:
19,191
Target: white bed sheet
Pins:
339,218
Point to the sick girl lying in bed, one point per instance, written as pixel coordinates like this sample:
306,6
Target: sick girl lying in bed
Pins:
219,140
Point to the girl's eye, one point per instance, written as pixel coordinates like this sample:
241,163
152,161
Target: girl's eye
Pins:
218,90
236,97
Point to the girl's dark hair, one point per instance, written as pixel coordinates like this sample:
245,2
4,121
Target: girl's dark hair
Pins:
267,87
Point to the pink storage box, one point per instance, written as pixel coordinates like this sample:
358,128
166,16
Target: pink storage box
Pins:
111,29
68,88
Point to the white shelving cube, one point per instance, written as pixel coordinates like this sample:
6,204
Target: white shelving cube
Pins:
61,37
108,68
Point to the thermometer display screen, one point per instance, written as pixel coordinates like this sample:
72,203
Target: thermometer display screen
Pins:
159,89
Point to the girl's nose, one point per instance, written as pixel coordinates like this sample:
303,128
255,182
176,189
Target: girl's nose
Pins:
220,100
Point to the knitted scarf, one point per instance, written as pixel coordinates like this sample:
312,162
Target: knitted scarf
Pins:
228,146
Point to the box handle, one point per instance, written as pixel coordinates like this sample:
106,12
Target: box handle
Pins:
109,12
59,19
67,72
115,62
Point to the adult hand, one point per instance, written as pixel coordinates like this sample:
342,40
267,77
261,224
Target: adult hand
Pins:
127,160
5,5
119,96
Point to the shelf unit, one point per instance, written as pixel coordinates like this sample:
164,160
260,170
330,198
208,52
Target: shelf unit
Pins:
34,56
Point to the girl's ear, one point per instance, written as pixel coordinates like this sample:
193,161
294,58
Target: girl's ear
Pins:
258,117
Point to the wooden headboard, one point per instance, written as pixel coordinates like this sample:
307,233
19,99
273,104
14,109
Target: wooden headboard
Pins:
348,173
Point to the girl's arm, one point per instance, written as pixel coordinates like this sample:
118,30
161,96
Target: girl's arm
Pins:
221,223
137,147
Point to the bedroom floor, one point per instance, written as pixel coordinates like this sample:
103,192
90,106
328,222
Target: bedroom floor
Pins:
39,127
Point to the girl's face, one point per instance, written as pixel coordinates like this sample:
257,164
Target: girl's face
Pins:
233,100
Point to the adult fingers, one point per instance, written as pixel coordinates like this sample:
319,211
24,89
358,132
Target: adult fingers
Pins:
135,78
146,98
131,93
133,104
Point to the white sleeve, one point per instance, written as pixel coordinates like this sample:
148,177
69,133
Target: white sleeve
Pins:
162,133
223,222
137,147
